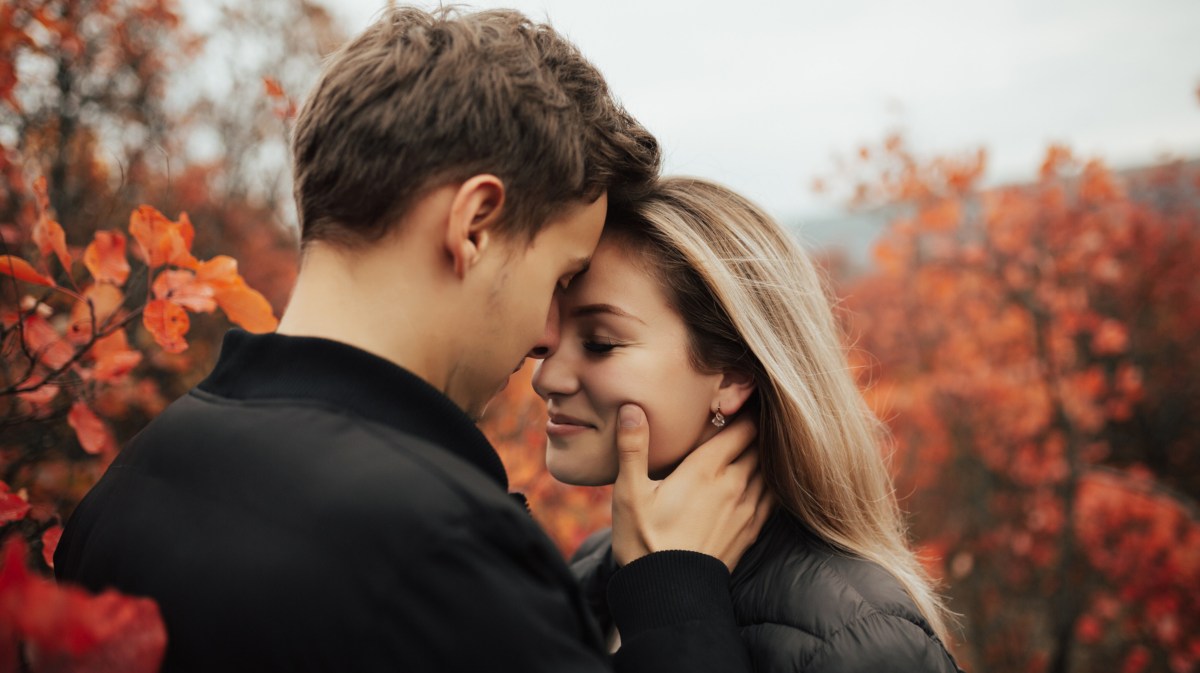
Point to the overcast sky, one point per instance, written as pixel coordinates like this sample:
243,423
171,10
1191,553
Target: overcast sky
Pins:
760,95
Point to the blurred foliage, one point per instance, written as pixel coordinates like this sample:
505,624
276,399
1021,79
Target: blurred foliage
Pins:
1035,351
103,108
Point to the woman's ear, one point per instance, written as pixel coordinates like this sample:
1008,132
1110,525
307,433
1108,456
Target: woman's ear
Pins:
736,387
474,213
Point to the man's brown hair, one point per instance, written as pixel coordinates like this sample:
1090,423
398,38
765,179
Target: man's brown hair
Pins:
424,99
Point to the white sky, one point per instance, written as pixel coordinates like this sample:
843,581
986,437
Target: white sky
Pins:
761,95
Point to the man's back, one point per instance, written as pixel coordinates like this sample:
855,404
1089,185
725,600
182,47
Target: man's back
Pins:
295,512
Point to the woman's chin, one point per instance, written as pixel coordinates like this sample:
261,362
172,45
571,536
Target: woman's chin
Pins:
580,475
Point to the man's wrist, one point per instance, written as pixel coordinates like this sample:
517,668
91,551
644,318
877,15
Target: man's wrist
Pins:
669,587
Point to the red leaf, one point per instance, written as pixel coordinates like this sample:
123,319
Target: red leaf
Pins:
22,270
1088,629
1136,661
105,258
67,629
168,323
93,433
50,540
181,287
12,506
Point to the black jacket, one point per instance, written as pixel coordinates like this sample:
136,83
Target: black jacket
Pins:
312,507
802,606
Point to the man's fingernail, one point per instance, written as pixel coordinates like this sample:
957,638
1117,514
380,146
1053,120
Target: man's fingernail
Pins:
630,416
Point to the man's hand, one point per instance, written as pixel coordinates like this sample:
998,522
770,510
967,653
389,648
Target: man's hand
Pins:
714,503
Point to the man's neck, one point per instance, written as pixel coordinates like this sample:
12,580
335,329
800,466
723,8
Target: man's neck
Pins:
359,299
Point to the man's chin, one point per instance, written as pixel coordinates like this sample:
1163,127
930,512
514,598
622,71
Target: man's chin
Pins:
478,413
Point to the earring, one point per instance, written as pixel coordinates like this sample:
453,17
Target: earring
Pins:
718,418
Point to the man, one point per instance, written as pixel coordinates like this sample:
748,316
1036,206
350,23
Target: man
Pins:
323,500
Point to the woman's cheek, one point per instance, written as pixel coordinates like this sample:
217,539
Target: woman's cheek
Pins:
668,444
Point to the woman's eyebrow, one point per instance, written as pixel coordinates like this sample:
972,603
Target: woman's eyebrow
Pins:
593,309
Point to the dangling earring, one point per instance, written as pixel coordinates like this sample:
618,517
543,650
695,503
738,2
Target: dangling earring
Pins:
718,418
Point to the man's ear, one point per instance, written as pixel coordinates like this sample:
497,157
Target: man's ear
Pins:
474,213
736,387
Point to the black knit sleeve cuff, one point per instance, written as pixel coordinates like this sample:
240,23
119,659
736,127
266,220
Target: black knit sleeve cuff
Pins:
669,587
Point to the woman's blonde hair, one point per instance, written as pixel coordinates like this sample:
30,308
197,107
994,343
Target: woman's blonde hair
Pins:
754,301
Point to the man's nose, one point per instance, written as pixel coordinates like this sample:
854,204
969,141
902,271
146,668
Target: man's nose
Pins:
546,345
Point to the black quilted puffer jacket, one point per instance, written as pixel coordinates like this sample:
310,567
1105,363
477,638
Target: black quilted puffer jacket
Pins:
803,606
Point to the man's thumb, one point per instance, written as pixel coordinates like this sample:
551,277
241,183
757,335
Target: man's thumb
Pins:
633,442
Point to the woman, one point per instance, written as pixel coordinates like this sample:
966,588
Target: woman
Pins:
697,307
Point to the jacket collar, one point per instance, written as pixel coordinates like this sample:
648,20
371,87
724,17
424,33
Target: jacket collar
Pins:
275,366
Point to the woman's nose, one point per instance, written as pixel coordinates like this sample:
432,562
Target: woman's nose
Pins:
554,376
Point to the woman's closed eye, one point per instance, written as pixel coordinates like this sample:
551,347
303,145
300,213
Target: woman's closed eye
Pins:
599,345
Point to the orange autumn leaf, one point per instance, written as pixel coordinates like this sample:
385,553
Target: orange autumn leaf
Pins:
247,308
93,433
116,366
285,108
22,270
1057,157
943,216
1111,338
168,323
40,399
162,241
273,88
105,258
243,305
187,231
105,345
43,341
114,358
48,235
182,287
220,272
890,255
105,300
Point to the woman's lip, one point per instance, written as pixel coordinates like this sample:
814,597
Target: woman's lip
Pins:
563,426
563,419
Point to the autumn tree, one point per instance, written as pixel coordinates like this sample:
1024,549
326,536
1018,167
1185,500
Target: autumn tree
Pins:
97,289
1034,350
